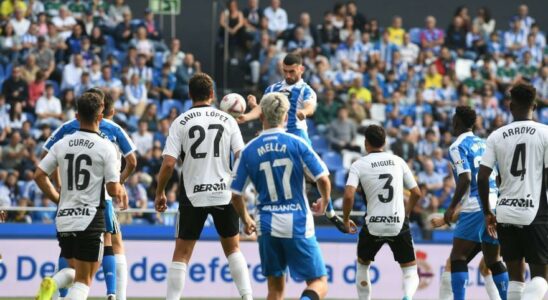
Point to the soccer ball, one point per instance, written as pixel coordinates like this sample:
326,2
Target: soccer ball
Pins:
233,104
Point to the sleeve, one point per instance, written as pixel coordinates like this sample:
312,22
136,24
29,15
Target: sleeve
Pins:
236,140
409,181
112,164
173,142
124,142
240,176
353,176
56,136
458,159
49,163
312,161
309,96
489,158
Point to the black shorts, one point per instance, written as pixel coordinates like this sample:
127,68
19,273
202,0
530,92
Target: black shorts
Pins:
81,245
191,221
401,245
529,242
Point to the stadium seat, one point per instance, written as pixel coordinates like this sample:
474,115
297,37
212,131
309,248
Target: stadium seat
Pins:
2,73
333,161
7,70
56,88
170,103
415,35
340,179
416,231
30,117
319,144
158,60
109,43
187,105
311,127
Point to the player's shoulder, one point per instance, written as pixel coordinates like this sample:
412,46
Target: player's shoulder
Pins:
109,124
275,87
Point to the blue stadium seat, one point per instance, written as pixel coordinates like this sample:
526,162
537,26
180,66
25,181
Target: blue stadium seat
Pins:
56,88
340,179
155,101
109,43
333,161
30,117
415,35
158,60
7,70
2,73
311,127
416,231
319,144
187,105
170,103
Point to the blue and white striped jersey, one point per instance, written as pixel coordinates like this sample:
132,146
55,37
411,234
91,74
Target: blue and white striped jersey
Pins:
465,156
298,94
276,162
108,128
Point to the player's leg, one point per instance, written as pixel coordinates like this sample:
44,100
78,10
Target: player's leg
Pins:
462,249
491,254
121,265
61,265
227,224
273,265
537,287
536,255
190,222
82,280
64,277
109,267
512,247
88,251
490,286
446,292
368,246
316,289
276,287
404,253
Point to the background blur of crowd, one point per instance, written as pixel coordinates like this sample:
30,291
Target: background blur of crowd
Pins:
407,79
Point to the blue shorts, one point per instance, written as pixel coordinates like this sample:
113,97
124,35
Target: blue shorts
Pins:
111,222
471,227
300,133
301,255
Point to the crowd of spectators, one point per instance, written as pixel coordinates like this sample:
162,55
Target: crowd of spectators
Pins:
407,79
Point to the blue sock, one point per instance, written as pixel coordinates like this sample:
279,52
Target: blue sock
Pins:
459,278
330,206
61,264
109,270
500,277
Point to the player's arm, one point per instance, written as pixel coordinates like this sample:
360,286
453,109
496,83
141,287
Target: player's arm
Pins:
131,164
254,113
413,199
41,176
55,175
112,177
117,191
348,198
316,169
410,183
309,104
238,185
324,187
348,201
488,162
166,170
128,148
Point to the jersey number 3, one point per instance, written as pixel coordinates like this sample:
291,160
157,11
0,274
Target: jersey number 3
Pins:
387,186
74,173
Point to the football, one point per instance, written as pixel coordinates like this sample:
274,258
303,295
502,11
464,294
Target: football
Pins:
233,104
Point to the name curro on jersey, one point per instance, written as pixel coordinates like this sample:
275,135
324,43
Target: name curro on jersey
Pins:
81,143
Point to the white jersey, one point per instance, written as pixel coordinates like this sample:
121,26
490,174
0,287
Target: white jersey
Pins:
203,137
520,150
86,163
382,177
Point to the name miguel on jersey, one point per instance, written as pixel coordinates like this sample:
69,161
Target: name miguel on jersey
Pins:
519,130
196,114
382,163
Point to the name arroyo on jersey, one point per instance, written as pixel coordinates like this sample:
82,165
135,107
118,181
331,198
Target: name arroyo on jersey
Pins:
195,114
518,130
526,202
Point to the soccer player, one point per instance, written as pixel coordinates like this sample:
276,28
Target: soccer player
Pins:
114,260
382,177
302,100
203,138
276,163
520,151
465,155
86,161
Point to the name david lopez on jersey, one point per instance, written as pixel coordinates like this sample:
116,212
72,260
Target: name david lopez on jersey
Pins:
212,114
526,202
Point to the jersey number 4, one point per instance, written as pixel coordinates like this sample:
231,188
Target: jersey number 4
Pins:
519,156
201,137
75,171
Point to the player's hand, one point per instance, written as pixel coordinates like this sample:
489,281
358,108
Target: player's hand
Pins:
350,226
2,216
123,201
491,224
437,222
242,119
251,101
448,215
301,115
318,207
249,225
160,203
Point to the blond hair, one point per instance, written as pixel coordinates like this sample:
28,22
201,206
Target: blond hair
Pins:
274,107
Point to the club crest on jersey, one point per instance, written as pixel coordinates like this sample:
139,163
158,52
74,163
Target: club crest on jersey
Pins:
526,202
210,187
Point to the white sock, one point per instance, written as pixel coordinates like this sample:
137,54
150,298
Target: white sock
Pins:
410,281
121,276
64,277
446,290
491,288
78,291
515,288
175,280
535,289
240,274
363,283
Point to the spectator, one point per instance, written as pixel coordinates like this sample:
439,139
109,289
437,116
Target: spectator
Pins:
363,95
456,36
233,22
526,22
475,43
136,94
137,195
374,30
396,32
462,12
74,41
516,38
432,79
56,42
359,18
52,7
384,49
88,22
14,152
310,31
42,24
300,43
142,43
540,38
174,57
541,84
124,31
349,29
45,57
536,52
252,16
426,146
277,17
160,136
429,177
10,45
20,24
49,109
150,115
29,70
484,21
183,75
84,84
152,28
408,50
431,37
77,8
329,37
339,15
73,72
116,12
404,147
527,68
356,110
350,50
342,132
17,117
507,72
9,6
68,102
64,22
441,165
141,69
36,89
326,112
15,88
98,41
111,84
163,85
143,139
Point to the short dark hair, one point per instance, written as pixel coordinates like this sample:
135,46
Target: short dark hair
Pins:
90,105
200,87
466,115
292,59
375,136
108,102
523,94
